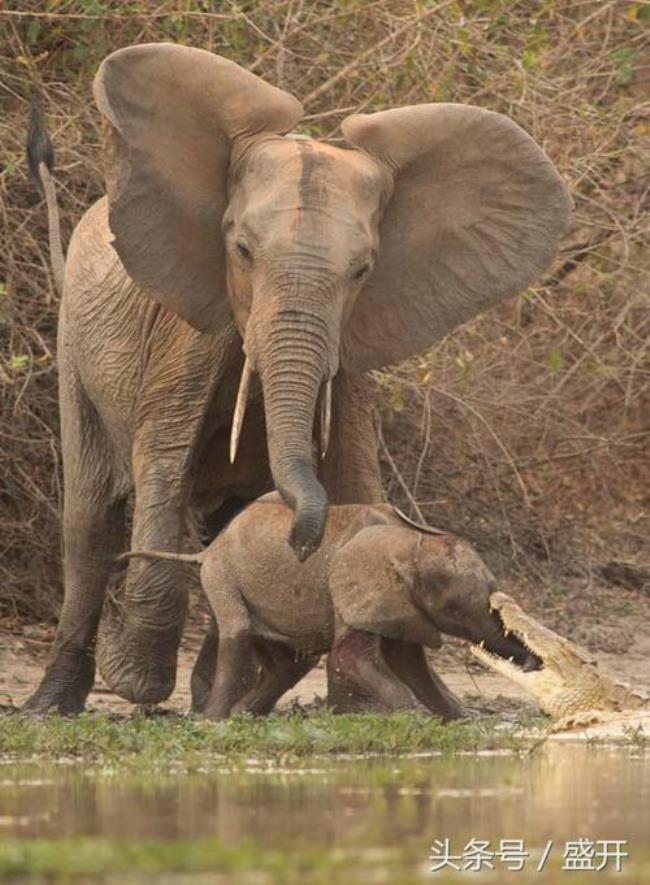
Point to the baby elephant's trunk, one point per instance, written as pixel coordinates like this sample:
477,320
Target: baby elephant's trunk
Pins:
160,554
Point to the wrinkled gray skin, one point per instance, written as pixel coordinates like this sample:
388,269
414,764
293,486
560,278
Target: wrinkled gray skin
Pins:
219,236
375,593
146,409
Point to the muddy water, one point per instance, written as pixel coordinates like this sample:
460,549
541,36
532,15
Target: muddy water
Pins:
355,821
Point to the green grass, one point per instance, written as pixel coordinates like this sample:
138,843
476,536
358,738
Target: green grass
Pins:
90,855
160,742
53,862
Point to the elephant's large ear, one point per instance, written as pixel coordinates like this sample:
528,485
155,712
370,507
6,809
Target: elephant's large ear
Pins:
476,215
371,585
173,114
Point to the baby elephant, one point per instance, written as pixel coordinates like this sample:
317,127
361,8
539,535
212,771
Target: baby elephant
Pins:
378,590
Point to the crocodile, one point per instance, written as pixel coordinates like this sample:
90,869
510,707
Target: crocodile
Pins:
569,686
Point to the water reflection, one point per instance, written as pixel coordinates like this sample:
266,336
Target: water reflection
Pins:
560,793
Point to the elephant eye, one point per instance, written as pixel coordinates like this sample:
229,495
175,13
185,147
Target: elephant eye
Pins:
243,250
361,272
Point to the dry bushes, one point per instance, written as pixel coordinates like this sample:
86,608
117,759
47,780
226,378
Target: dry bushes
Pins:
529,428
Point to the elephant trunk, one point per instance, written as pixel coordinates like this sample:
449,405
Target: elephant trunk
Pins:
293,363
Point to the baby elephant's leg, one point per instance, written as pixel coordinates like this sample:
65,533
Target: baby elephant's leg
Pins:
204,668
408,662
236,662
205,665
280,670
235,675
359,680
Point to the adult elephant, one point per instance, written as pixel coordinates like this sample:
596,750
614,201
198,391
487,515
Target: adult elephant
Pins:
226,249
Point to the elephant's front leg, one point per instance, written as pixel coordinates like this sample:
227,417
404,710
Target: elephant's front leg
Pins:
359,680
141,631
408,662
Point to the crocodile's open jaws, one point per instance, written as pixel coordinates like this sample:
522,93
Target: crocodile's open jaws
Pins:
569,685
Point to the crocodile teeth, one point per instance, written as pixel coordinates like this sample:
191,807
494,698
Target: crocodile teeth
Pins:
511,660
481,643
507,632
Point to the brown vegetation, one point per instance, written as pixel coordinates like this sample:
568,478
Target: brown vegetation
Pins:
528,429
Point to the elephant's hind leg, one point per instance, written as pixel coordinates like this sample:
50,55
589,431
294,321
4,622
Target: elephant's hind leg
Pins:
408,662
206,661
204,668
93,528
280,670
236,661
236,674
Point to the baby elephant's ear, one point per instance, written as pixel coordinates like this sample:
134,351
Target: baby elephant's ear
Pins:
476,216
173,115
371,584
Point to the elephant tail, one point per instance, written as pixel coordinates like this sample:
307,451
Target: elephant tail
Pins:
196,558
40,156
421,527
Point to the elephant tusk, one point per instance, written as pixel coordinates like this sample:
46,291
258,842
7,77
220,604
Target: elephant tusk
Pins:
240,408
325,418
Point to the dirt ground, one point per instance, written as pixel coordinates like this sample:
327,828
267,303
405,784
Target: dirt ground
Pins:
24,649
